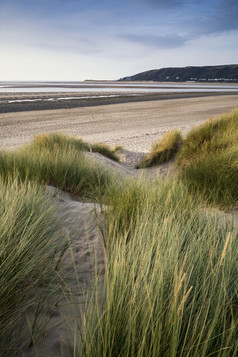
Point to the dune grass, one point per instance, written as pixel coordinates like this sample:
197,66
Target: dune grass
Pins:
60,165
170,285
62,141
162,150
208,160
28,256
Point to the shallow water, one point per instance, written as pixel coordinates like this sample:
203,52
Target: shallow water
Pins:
112,87
58,98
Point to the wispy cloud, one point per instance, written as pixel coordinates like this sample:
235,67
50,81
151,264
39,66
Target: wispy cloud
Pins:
167,41
79,46
220,18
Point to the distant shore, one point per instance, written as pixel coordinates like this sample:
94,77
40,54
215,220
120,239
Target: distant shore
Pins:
51,101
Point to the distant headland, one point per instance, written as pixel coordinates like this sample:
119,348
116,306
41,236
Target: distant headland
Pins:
221,73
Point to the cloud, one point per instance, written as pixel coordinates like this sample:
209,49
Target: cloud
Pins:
219,17
225,18
164,4
168,4
78,46
113,34
164,42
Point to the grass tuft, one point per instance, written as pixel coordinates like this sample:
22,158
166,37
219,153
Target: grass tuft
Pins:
208,160
105,150
28,253
64,167
60,141
170,286
162,150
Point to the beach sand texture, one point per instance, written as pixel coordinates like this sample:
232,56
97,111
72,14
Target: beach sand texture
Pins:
80,225
133,125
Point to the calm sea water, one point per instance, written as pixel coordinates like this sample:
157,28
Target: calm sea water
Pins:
113,87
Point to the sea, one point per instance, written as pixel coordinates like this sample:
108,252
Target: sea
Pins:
93,89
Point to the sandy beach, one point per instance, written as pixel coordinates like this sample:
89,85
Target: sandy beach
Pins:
134,125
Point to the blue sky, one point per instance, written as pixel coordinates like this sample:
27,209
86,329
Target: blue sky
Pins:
77,40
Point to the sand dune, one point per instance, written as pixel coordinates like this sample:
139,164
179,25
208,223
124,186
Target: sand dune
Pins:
133,125
80,222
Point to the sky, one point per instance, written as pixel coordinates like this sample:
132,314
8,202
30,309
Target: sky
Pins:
73,40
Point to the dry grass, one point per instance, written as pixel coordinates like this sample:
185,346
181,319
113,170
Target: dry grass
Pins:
61,141
162,150
28,259
208,160
60,162
170,286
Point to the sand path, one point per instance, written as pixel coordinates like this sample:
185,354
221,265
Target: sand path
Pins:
80,225
133,125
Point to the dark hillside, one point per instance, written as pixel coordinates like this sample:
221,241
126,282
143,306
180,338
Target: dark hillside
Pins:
225,73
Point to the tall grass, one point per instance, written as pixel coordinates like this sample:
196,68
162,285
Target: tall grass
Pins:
162,150
170,279
64,167
170,285
208,160
60,141
28,253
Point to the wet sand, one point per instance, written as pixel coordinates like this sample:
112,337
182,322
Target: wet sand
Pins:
21,102
134,125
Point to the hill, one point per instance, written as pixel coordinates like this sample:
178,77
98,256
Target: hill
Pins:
223,73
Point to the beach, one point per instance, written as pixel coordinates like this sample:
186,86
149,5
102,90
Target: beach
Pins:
134,125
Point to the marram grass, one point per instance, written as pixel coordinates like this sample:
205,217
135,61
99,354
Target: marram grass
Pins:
208,160
64,167
170,286
162,150
61,141
28,257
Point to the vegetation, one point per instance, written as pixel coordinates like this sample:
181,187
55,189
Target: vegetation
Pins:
208,160
58,163
162,150
28,257
170,278
61,141
223,73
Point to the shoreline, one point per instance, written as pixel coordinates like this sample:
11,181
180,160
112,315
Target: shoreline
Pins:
50,101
